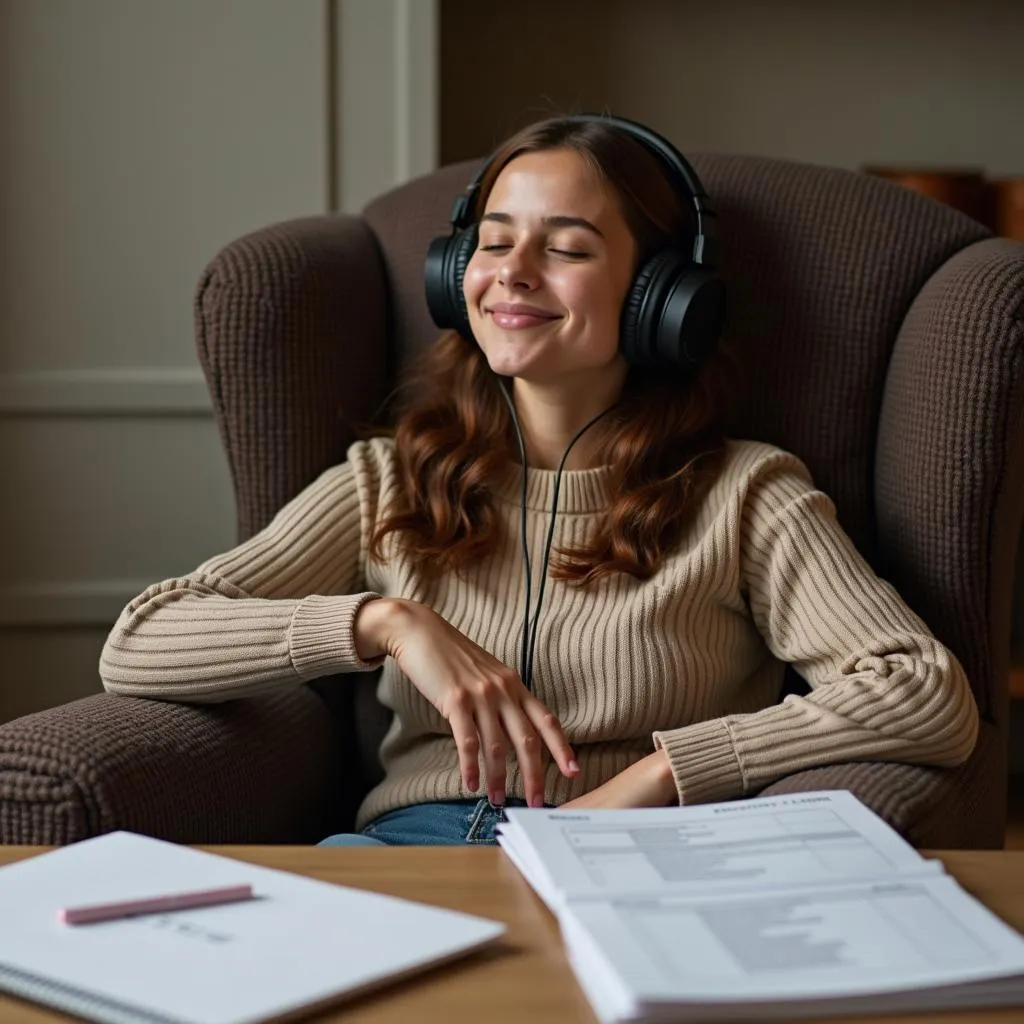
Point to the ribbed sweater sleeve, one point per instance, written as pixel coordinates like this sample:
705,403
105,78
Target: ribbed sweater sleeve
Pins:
882,687
275,611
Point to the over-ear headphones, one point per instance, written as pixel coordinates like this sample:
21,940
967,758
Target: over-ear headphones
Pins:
673,312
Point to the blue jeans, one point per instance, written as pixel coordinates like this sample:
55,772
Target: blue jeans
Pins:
455,823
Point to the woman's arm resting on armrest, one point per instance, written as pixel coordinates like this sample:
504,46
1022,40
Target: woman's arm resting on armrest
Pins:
275,611
883,688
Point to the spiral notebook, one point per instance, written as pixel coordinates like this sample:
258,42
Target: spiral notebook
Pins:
299,945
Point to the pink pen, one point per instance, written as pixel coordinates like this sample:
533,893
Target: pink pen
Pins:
154,905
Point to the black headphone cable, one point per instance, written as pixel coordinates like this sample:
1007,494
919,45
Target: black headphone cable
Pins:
528,645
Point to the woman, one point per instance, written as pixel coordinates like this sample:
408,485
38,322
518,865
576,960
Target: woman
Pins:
684,567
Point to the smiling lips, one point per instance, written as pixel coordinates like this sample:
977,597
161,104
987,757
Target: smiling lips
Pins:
515,316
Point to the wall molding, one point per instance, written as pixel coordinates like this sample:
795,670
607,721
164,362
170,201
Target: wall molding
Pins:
59,603
416,70
106,391
385,104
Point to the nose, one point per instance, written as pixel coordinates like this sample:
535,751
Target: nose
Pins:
517,269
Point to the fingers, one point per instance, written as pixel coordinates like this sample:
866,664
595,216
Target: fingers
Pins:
529,726
467,741
493,714
492,736
477,729
550,730
528,753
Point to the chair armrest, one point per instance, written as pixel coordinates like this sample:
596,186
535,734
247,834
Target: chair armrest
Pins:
262,770
949,465
932,808
949,490
291,330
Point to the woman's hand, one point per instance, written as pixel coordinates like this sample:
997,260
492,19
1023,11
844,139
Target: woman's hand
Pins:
647,783
484,701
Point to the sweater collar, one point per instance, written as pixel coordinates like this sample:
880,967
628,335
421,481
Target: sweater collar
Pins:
581,490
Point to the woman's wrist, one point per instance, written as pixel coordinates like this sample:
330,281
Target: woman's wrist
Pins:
665,777
373,627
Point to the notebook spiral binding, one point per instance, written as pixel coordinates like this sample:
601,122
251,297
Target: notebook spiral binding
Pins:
74,1000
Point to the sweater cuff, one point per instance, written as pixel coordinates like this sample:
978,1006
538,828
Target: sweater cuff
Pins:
704,762
321,639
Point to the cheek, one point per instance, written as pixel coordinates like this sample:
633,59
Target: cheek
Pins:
474,283
598,297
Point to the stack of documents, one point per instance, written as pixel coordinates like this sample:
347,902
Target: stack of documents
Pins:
298,944
770,908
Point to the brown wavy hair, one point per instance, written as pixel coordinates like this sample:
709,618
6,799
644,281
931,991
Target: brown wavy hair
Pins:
664,441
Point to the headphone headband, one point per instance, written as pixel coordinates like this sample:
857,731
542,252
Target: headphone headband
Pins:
705,244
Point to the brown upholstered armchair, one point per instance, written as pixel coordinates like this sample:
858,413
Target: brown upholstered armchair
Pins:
884,338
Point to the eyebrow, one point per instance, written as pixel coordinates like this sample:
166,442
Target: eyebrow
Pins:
554,221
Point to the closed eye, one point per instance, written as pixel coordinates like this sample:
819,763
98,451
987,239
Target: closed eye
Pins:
567,253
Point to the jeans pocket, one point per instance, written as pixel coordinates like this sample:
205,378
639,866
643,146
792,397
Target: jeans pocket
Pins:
482,822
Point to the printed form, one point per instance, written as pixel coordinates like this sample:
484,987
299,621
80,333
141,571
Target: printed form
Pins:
752,844
843,940
795,903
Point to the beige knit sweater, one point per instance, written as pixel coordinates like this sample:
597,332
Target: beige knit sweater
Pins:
688,660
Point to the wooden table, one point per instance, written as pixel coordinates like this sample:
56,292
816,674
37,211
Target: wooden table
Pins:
526,977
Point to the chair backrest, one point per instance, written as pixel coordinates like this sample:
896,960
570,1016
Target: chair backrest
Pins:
880,332
829,274
822,265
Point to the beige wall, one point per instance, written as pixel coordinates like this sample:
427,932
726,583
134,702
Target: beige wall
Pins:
139,137
386,95
844,83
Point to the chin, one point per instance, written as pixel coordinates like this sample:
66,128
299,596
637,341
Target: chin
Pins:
510,370
506,363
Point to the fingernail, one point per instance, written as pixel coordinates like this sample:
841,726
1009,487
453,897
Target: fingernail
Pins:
573,766
536,800
496,798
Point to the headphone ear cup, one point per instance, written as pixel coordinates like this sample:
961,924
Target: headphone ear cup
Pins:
466,242
673,313
693,316
637,323
444,271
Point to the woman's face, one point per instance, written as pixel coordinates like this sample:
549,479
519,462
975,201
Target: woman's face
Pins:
544,289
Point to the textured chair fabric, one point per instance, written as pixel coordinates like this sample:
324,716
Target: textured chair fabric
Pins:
884,334
252,771
292,326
